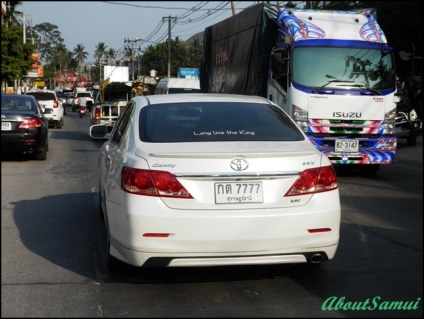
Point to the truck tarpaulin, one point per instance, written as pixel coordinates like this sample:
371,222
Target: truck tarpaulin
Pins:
227,53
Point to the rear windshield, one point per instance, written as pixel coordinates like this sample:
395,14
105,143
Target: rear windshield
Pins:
209,121
84,94
183,90
17,103
42,96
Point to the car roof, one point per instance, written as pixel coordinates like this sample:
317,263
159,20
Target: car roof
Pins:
17,97
41,91
199,97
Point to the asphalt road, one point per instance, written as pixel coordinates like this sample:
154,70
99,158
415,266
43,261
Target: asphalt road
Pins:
53,258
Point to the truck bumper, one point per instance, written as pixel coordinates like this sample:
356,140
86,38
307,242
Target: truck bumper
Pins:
371,151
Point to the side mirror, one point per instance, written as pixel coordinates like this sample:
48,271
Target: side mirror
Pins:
100,131
396,98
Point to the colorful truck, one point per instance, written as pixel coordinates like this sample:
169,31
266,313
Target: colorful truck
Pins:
331,71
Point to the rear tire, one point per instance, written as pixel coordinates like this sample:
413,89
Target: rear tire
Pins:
112,263
41,156
411,140
369,170
101,213
59,124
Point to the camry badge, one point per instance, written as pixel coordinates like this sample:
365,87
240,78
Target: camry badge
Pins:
239,164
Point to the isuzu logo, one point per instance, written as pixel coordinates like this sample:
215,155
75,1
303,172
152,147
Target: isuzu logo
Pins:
239,164
355,115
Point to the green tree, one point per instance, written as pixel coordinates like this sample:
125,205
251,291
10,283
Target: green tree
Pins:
15,55
156,57
47,38
61,57
99,53
180,57
195,48
111,55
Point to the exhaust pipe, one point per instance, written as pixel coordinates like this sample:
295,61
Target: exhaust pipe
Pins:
316,259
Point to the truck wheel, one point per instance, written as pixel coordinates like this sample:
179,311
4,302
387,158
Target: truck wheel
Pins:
369,170
411,140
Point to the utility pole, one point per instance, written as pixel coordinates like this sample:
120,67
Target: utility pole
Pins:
24,26
24,20
17,83
169,43
100,70
130,49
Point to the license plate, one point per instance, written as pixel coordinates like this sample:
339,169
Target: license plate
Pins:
346,146
236,193
6,126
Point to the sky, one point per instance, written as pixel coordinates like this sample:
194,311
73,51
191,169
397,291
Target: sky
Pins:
91,22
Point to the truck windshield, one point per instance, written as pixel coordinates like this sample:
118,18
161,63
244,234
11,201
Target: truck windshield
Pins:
352,67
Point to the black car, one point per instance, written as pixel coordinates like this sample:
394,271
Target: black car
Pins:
24,128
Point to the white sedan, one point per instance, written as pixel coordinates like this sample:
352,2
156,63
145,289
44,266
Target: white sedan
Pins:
214,180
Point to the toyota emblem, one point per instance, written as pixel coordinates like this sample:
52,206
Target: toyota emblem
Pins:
239,164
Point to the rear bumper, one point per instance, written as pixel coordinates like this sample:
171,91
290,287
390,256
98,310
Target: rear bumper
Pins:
223,237
190,260
22,142
53,121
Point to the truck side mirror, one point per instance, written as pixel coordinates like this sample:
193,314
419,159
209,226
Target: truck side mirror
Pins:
100,131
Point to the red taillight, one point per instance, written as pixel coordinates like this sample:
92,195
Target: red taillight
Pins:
152,183
30,123
165,235
97,113
55,104
319,230
314,180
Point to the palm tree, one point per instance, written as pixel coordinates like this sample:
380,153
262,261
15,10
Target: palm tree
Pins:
98,54
111,55
80,55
